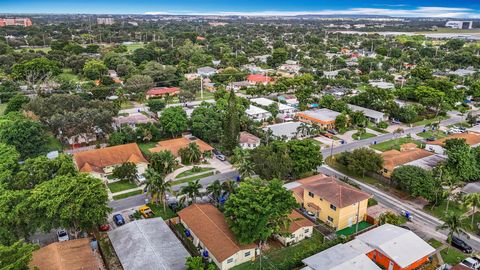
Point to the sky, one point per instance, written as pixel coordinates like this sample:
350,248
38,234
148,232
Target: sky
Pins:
401,8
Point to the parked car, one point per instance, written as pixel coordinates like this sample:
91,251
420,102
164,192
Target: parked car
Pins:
431,139
141,178
104,227
118,219
62,235
146,211
219,155
472,263
461,245
332,131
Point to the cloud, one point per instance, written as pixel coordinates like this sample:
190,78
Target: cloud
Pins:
436,12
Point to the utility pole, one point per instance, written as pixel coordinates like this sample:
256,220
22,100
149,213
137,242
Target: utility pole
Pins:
201,87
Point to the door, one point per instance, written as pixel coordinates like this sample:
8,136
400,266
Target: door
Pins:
390,266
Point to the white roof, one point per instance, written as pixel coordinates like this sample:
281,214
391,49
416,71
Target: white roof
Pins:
341,257
322,114
148,244
287,129
400,245
368,112
268,102
382,85
254,110
427,163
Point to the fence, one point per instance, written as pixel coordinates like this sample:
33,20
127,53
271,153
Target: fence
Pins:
187,243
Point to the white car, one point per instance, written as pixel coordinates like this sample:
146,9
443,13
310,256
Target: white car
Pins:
62,235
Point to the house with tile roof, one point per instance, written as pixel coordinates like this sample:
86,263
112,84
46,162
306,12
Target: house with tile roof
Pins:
101,162
471,138
248,140
336,203
407,154
158,92
254,79
299,229
210,232
173,145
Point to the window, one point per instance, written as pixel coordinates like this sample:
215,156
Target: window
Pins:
385,170
307,230
330,219
247,254
333,207
230,260
311,194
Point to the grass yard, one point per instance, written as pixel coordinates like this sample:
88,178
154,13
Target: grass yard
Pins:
453,256
362,225
193,171
158,211
134,46
367,179
429,121
121,186
206,95
3,106
435,243
439,211
53,144
393,144
429,133
145,146
363,136
128,194
193,178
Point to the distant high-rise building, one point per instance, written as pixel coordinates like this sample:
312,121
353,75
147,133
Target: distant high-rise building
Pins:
105,21
459,24
25,22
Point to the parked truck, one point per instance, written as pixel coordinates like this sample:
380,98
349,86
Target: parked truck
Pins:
145,211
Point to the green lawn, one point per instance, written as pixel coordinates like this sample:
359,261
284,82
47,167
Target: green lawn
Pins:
435,243
429,121
363,136
158,211
393,144
145,146
121,186
53,144
206,95
134,46
193,178
193,171
3,106
453,256
439,211
128,194
362,225
367,179
437,134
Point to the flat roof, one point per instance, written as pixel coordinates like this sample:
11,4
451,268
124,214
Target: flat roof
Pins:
254,110
322,114
427,163
368,112
268,102
288,129
471,188
148,244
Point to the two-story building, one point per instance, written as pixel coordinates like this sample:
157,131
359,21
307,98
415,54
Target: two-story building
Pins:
325,118
336,203
101,162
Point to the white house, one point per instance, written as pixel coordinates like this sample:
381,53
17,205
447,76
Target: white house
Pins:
300,228
257,114
248,141
282,108
206,71
374,116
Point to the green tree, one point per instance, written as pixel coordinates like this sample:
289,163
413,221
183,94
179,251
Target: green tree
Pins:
9,158
157,186
195,263
305,155
14,224
461,160
191,191
390,218
231,125
17,256
415,180
77,202
206,122
258,209
163,162
27,136
138,84
215,190
272,160
15,103
341,122
453,222
472,200
126,172
155,105
174,120
94,69
364,160
36,71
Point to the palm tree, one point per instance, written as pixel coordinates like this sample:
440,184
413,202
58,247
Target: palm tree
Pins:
303,130
245,168
229,186
195,153
157,186
215,189
472,200
191,191
452,223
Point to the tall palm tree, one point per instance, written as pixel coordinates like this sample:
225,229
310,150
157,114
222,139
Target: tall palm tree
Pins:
195,153
215,189
472,200
245,168
157,186
452,223
229,186
191,191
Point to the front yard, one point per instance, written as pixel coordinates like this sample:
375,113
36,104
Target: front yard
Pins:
121,186
453,256
159,212
128,194
429,133
394,144
193,178
457,208
363,136
193,171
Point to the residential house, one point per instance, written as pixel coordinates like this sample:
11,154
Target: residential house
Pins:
68,255
257,114
174,145
382,84
471,138
159,92
287,131
339,92
101,162
206,71
395,248
191,76
463,72
235,86
394,158
428,163
337,204
372,115
471,188
148,244
132,120
210,232
325,118
289,69
114,76
299,229
255,79
348,256
282,108
330,74
248,141
253,69
262,58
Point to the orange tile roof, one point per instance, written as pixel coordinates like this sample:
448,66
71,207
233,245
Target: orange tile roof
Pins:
394,158
298,221
246,137
211,228
470,138
69,255
97,159
174,145
334,191
298,194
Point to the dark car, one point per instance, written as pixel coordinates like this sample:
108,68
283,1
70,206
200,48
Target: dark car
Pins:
332,131
118,219
219,155
431,139
461,245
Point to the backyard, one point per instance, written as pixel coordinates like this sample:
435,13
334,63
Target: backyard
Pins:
394,144
362,225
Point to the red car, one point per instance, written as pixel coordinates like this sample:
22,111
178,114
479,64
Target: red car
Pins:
104,227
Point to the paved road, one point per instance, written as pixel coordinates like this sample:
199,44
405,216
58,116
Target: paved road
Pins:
422,221
414,130
138,200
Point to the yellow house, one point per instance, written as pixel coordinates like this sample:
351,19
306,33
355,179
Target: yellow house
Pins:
337,204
